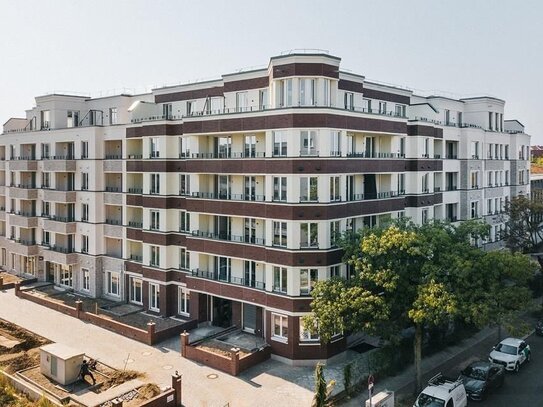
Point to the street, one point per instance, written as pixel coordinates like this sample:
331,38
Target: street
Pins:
522,389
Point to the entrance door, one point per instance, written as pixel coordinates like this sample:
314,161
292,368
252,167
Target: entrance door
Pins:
222,312
49,272
249,318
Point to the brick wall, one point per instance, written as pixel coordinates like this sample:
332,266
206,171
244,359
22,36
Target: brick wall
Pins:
162,400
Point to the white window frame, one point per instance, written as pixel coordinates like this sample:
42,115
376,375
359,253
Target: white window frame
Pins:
312,231
282,272
183,301
154,258
184,221
280,144
184,184
277,320
84,181
154,147
308,278
312,195
184,258
114,289
134,281
85,279
280,189
154,297
280,234
154,223
154,187
84,243
306,335
113,115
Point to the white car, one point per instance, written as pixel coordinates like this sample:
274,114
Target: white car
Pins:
511,353
442,392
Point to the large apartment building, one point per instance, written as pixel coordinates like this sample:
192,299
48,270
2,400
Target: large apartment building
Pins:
220,200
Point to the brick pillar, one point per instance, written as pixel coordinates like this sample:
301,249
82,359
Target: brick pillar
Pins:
17,289
151,328
78,308
234,361
117,403
177,386
184,343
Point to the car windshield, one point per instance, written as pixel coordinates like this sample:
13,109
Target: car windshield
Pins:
426,400
475,372
510,350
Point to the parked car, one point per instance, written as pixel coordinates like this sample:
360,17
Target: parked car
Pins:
511,353
442,392
539,328
481,377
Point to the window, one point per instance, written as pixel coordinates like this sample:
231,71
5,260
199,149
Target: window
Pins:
113,283
154,148
85,279
154,297
190,107
447,117
155,220
65,273
45,209
335,143
489,178
263,99
155,184
46,180
309,189
460,119
367,105
335,271
155,256
280,326
250,146
84,149
167,111
401,184
308,143
184,184
489,206
84,212
183,296
335,193
475,150
84,243
426,153
307,92
184,259
184,221
308,279
280,234
490,120
279,144
425,216
113,119
349,101
45,151
285,93
474,179
400,110
45,238
425,189
84,181
72,118
280,279
335,232
474,210
184,147
44,119
306,335
309,235
242,102
383,107
326,92
279,188
136,290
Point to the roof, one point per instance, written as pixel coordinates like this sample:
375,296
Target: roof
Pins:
61,351
442,391
512,342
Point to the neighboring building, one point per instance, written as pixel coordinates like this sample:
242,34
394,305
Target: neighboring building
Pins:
220,200
537,152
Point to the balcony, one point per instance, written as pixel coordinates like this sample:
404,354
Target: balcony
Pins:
222,156
374,155
138,258
55,195
60,224
229,237
23,164
113,228
23,219
113,197
113,164
60,254
377,195
137,224
23,191
62,163
230,197
216,276
135,190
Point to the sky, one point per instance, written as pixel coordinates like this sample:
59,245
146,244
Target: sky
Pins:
455,48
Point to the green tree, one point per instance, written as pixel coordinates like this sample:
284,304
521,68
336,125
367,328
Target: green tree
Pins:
524,229
322,389
417,276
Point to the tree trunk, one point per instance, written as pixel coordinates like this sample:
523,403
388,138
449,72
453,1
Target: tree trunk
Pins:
418,358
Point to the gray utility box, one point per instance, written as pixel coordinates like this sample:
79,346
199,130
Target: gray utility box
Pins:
382,399
60,363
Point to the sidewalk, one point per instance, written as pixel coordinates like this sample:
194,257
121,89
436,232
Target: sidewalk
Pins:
270,384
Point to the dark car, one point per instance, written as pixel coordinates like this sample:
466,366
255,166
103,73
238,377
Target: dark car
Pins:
481,377
539,328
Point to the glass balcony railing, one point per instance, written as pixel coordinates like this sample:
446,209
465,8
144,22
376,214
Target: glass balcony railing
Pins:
228,278
229,237
227,196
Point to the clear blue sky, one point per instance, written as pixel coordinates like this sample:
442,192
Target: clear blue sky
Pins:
464,47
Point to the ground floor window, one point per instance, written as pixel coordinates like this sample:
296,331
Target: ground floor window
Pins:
154,297
29,264
85,278
136,287
306,335
183,300
64,273
280,326
113,283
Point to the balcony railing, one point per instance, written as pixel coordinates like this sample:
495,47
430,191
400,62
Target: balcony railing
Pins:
231,197
113,189
65,219
24,213
135,190
113,156
451,188
62,157
216,276
114,221
229,237
135,156
25,157
61,249
364,154
24,186
135,224
136,257
375,195
25,242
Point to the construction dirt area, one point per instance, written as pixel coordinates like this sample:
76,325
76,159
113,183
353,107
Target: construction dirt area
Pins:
20,356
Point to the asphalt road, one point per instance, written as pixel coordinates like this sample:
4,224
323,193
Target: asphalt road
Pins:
523,389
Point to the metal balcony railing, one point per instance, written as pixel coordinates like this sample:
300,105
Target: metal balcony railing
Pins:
220,277
229,237
227,196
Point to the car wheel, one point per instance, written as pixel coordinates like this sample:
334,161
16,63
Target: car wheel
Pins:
517,367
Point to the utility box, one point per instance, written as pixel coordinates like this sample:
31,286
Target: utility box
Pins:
382,399
60,363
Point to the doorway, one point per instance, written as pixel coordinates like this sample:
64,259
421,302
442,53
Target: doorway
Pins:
249,318
222,312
